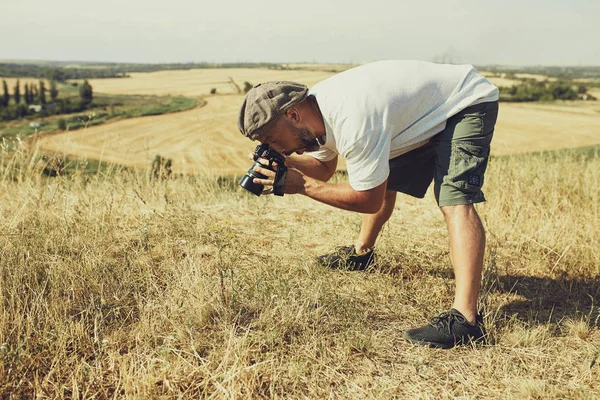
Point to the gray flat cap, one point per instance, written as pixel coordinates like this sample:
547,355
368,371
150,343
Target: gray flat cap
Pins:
266,102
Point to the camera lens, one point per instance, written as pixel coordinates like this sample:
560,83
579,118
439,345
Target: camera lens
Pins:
247,181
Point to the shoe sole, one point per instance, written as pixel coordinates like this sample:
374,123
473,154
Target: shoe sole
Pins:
349,266
432,345
435,345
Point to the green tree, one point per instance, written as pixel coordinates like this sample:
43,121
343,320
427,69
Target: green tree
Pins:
27,95
22,110
53,90
6,96
42,92
17,93
86,93
563,91
56,74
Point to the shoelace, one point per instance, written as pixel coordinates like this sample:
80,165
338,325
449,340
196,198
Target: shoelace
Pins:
349,251
344,249
445,319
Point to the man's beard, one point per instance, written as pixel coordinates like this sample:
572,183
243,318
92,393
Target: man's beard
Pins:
307,139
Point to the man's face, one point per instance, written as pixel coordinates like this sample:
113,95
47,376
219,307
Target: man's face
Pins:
286,138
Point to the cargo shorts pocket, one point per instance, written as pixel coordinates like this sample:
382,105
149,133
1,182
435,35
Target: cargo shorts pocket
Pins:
469,162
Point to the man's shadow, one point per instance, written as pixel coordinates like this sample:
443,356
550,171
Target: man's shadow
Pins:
537,300
548,300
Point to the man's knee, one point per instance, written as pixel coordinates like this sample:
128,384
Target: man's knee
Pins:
465,211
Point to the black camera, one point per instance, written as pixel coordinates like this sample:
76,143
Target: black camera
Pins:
263,151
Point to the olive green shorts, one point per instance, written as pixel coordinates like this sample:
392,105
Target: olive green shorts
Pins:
454,159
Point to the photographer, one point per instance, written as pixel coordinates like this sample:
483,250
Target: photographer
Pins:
400,125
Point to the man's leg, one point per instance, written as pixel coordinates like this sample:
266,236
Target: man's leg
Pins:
359,256
467,245
372,223
411,174
462,151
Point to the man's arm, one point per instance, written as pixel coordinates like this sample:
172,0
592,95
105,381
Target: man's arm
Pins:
337,195
310,166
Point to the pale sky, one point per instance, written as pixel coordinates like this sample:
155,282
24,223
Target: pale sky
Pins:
508,32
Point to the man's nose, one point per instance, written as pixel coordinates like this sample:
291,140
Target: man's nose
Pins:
277,147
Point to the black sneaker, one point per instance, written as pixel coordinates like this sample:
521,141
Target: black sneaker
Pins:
447,330
345,257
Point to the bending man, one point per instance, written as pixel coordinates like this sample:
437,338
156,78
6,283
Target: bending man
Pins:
400,125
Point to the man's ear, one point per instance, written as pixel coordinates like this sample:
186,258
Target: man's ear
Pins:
293,115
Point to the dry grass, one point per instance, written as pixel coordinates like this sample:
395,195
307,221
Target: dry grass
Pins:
116,286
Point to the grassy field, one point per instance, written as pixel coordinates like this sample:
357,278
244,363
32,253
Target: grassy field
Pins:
116,286
105,108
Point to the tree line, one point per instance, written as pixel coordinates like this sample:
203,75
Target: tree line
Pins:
107,70
562,73
24,103
532,90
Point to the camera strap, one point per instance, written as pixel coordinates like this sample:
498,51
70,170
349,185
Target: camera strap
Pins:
279,180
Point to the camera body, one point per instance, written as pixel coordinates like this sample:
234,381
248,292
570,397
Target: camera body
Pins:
264,151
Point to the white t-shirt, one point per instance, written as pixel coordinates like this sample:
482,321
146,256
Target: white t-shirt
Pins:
378,111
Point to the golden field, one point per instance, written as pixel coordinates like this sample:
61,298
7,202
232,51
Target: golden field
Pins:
115,285
197,82
207,140
11,82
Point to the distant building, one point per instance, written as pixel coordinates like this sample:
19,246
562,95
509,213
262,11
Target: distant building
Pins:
35,107
35,124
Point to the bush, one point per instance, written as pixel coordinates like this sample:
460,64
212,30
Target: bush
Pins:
161,167
532,90
62,124
213,90
86,93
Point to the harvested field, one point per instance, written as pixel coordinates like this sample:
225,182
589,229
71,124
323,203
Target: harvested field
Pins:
595,92
207,140
200,140
198,82
537,77
499,80
524,128
11,82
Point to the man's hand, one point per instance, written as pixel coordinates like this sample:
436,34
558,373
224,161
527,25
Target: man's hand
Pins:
294,181
340,195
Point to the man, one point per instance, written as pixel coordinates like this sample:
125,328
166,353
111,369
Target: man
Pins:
399,125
